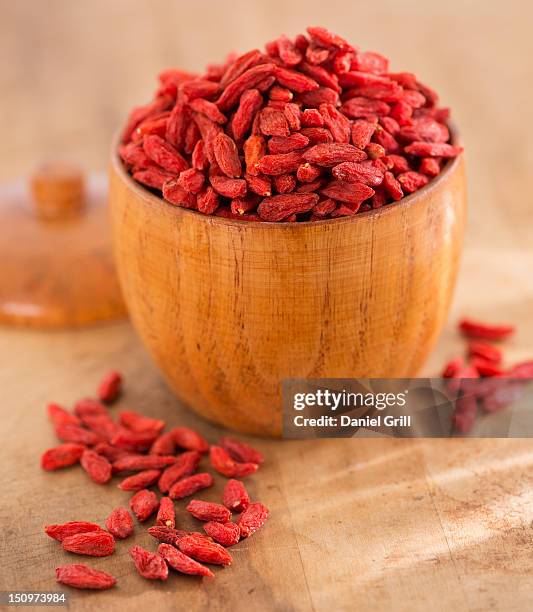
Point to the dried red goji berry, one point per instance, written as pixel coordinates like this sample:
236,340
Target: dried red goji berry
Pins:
81,576
486,351
225,465
59,416
143,504
134,440
91,543
191,180
229,187
68,432
485,331
284,183
110,387
120,523
235,497
139,481
190,440
226,534
97,466
486,368
279,144
185,464
240,451
134,463
208,201
140,423
252,519
164,445
181,562
166,534
227,155
208,511
61,456
65,530
166,515
278,207
200,548
190,485
149,565
453,367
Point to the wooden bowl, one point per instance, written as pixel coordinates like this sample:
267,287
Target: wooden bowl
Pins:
228,309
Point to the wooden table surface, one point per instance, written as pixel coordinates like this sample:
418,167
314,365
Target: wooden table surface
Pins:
355,524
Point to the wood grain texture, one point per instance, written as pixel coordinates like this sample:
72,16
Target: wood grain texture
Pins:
380,525
229,309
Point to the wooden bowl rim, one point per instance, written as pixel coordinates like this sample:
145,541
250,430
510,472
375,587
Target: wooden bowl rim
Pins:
407,201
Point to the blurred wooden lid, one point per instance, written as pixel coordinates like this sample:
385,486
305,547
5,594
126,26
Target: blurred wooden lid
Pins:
56,264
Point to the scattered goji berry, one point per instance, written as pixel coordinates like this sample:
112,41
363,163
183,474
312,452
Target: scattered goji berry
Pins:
143,504
189,439
189,485
62,456
91,543
166,515
200,548
225,465
81,576
139,481
120,523
134,463
59,416
235,497
181,562
169,535
226,534
60,532
149,565
485,331
185,464
110,387
240,451
208,511
139,423
252,519
97,466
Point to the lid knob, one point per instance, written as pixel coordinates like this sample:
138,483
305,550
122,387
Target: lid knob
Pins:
58,190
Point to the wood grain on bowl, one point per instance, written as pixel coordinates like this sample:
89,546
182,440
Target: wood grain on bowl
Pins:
229,309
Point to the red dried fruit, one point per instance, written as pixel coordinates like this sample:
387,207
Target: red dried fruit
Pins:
167,534
181,562
225,465
134,463
166,515
110,387
278,207
392,186
134,440
485,351
149,565
139,481
67,432
343,191
140,423
252,519
185,464
143,504
208,201
235,497
227,156
190,485
280,164
200,548
191,180
120,523
240,451
433,149
189,439
298,93
279,144
324,208
61,456
65,530
358,172
110,452
59,416
453,368
88,407
97,466
164,445
229,187
81,576
208,511
226,534
486,368
331,154
485,331
91,543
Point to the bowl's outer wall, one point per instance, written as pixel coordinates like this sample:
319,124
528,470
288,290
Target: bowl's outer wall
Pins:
230,309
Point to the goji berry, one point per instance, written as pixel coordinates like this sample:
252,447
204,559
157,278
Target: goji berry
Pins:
166,515
91,543
119,523
139,481
149,565
208,511
169,535
189,485
200,548
164,445
81,576
140,423
185,464
252,519
240,451
225,465
189,439
143,504
134,440
485,331
60,532
59,416
97,466
61,456
235,497
226,534
181,562
110,387
68,432
134,463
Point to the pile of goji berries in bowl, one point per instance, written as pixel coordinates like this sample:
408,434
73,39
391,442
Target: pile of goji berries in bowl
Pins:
163,468
309,129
